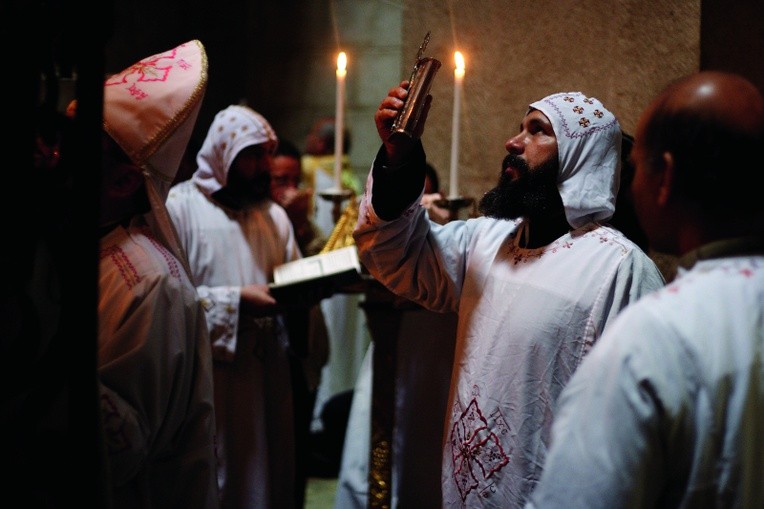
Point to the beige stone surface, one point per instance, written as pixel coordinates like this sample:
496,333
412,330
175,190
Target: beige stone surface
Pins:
623,52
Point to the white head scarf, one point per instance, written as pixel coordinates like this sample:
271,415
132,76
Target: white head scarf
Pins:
150,110
589,147
233,129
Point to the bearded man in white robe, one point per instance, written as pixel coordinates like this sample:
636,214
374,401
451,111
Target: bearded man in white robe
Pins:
535,281
235,235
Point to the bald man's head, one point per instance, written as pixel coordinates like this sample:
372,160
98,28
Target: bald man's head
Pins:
725,98
712,125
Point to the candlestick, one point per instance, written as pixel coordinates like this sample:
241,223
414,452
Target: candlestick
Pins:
458,79
339,119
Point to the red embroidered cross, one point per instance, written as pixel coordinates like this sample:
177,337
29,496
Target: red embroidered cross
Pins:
145,70
475,450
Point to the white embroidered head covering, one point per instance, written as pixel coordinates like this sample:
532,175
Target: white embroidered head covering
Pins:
233,129
589,147
150,110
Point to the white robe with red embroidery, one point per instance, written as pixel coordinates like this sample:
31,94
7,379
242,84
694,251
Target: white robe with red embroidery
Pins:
155,377
666,411
526,318
253,402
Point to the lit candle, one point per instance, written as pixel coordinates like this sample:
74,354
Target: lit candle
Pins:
458,79
339,119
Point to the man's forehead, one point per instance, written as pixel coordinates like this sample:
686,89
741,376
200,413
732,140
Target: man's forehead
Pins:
535,116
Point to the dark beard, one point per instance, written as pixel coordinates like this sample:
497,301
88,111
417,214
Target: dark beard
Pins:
533,193
239,193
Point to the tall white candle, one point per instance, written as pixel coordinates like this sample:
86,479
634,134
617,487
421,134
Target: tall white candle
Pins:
339,119
453,185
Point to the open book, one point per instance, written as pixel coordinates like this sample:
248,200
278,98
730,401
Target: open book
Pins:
323,274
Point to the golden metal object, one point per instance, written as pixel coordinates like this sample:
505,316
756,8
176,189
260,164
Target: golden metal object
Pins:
342,234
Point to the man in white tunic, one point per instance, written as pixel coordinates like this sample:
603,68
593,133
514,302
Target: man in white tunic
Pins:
154,359
666,411
535,281
234,236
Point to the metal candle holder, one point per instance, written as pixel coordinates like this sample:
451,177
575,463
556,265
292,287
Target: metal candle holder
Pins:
336,196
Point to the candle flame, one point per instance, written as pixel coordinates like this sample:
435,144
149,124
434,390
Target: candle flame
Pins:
342,61
459,59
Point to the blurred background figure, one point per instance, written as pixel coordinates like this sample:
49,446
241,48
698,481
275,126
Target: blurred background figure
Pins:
287,189
305,363
348,333
432,195
318,168
235,235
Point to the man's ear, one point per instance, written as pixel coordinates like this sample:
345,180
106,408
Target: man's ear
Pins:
665,190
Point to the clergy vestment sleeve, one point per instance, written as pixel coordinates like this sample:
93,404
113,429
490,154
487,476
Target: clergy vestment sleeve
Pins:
222,308
433,270
397,186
